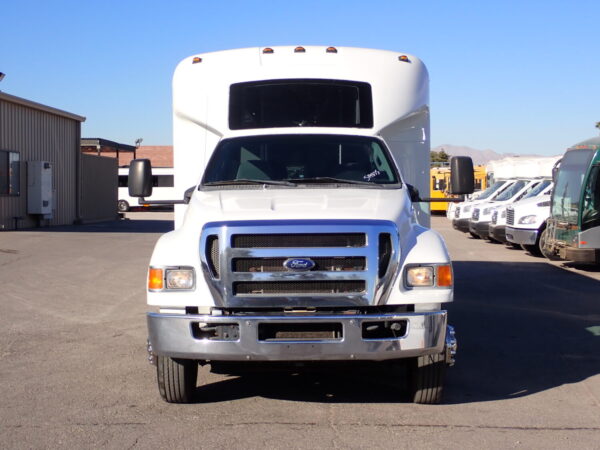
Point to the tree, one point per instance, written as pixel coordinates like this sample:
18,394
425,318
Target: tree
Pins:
440,156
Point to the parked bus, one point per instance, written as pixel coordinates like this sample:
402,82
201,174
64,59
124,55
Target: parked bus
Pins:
303,238
573,229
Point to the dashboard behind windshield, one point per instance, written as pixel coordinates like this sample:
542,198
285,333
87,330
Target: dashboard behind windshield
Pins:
301,159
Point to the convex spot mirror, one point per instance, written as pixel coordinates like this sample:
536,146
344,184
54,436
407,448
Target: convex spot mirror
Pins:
140,178
462,177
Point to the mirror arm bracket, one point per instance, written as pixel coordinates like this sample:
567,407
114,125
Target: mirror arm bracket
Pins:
143,201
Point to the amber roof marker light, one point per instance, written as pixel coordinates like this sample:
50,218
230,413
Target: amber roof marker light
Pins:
331,50
404,58
299,50
268,51
196,60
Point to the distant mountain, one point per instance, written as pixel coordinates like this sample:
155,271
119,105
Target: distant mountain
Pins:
478,156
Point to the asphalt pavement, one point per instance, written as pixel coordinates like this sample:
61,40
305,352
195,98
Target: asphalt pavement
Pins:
73,369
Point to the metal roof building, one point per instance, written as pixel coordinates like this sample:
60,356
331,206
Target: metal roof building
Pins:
40,164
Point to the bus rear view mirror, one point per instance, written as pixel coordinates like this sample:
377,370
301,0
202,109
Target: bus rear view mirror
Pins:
462,178
140,178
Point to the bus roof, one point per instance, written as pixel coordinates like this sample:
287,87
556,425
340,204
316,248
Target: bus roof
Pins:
593,143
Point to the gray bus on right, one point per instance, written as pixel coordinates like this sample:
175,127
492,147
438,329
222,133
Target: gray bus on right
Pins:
573,229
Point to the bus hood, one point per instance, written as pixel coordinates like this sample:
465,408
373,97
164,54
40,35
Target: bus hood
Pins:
299,203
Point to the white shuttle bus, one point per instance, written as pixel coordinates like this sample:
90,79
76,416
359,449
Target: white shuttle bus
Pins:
301,238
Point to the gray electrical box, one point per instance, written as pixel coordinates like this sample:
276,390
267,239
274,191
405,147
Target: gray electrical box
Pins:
39,188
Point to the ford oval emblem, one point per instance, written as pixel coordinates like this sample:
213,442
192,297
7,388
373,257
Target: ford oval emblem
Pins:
299,264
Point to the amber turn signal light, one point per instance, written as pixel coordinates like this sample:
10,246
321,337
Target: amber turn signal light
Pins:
155,279
444,275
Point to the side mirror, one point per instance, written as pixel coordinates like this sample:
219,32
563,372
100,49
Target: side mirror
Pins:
140,178
462,177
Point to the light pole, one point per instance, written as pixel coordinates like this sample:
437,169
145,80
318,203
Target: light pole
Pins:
138,141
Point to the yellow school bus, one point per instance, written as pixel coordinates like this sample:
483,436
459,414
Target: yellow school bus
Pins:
440,184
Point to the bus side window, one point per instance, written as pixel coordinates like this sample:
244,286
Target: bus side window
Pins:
164,181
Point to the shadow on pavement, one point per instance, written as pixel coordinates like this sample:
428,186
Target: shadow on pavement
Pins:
522,328
336,386
115,226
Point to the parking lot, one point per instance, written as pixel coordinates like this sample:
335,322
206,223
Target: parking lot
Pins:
74,374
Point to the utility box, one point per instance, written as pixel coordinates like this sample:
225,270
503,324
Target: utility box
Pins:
39,188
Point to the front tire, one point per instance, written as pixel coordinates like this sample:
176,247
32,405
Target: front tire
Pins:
426,378
176,378
542,243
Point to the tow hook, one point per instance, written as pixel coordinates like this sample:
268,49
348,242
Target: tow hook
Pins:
151,355
451,345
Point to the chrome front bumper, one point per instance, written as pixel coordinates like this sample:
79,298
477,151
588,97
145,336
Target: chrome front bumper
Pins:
521,236
461,225
481,229
426,333
498,233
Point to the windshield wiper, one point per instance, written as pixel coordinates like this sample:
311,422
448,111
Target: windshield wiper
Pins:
250,181
331,180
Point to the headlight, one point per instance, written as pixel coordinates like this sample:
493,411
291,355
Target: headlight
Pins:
180,279
429,276
171,278
527,220
419,276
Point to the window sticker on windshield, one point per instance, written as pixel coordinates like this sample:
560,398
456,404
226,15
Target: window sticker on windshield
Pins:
370,176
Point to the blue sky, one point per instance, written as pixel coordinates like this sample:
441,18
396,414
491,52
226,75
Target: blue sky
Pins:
512,76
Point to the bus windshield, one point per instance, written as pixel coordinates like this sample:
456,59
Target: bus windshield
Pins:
490,190
300,159
538,189
569,180
511,191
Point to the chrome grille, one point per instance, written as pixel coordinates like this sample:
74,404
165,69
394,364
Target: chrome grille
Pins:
276,264
298,240
510,216
212,253
355,262
299,287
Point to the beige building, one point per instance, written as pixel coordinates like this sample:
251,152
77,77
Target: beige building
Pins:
44,178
